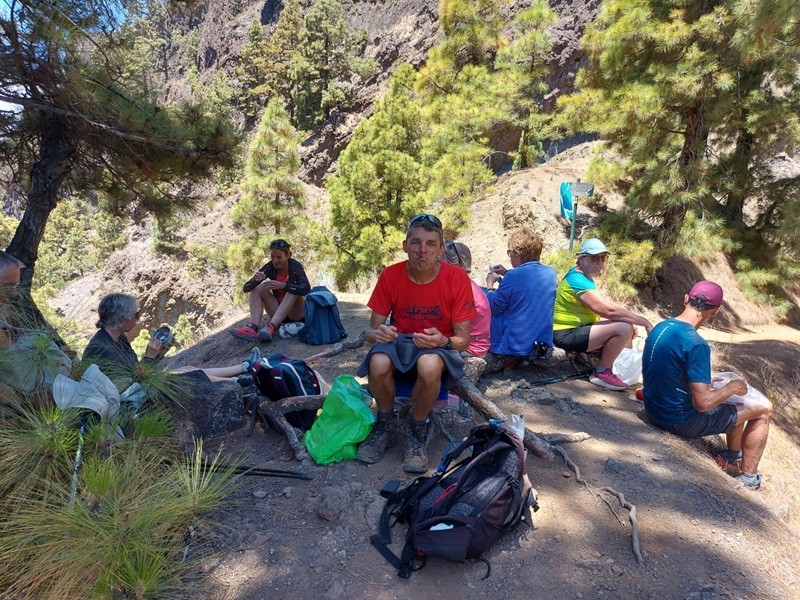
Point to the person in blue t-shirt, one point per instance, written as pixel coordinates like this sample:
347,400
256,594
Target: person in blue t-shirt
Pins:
679,397
522,304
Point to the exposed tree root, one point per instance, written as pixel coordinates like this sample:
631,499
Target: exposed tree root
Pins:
488,409
631,508
545,446
275,413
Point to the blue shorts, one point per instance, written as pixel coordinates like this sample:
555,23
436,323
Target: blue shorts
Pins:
720,419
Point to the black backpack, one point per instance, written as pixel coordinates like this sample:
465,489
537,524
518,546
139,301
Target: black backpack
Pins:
459,511
278,377
322,322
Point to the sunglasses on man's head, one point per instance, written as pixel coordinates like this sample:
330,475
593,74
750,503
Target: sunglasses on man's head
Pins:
279,245
421,218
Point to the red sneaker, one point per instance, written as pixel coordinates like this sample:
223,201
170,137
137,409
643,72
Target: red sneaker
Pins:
245,332
608,381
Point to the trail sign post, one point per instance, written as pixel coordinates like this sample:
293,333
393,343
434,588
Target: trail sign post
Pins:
570,192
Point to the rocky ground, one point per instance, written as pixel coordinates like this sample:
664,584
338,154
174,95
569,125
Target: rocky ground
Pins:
700,537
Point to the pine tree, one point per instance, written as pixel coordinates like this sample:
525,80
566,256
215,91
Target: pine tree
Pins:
688,94
328,64
88,123
250,72
472,36
273,196
377,187
521,69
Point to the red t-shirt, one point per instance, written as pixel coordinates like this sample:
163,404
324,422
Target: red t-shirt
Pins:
284,277
445,300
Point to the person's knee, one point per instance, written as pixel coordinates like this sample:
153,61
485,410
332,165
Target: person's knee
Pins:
380,365
430,368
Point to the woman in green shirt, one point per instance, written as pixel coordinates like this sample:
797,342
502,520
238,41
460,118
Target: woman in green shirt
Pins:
585,321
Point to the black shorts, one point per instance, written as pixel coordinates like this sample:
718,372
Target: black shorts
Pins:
573,340
720,419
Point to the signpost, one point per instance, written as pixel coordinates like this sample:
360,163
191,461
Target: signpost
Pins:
570,192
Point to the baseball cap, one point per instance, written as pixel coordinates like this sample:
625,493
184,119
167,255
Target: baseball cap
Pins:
708,292
593,246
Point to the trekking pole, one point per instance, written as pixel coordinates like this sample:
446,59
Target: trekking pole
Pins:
73,488
549,380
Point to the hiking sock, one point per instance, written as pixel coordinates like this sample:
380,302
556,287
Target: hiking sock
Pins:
599,370
389,414
732,456
416,423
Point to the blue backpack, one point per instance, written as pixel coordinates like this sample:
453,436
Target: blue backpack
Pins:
323,324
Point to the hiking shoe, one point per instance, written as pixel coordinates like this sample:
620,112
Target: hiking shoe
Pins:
731,468
608,381
266,333
382,436
245,332
748,482
255,356
415,459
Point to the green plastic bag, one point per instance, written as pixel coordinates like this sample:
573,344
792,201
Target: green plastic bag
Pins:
345,421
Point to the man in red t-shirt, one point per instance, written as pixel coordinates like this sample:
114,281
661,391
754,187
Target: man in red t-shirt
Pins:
430,304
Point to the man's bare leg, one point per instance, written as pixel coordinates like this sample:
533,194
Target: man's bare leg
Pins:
754,437
426,388
381,384
381,381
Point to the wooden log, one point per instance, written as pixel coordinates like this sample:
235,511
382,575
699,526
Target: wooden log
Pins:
276,413
488,409
339,347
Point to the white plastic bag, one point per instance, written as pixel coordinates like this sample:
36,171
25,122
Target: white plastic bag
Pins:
628,366
752,398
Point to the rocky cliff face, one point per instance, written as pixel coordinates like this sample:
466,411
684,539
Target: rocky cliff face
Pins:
397,31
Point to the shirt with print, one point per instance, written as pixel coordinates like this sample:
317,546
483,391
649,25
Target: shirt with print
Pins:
414,307
675,355
569,312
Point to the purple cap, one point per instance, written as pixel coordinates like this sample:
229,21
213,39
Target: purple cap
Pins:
707,291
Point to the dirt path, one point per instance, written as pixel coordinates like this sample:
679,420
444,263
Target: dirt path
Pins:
701,538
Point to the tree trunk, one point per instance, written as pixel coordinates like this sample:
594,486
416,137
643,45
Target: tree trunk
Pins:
47,175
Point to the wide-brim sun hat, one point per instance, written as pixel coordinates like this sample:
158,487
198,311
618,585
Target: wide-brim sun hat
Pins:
593,247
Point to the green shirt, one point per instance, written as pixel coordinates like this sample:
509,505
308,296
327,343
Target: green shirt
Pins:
569,312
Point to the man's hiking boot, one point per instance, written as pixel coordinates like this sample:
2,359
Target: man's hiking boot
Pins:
730,467
608,381
415,437
382,436
748,482
245,332
266,333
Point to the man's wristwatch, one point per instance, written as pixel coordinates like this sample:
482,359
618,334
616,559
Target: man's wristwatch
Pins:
448,345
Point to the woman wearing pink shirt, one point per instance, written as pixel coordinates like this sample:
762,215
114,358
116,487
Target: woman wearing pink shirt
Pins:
457,253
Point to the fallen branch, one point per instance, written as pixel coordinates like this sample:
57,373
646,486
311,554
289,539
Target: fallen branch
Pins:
276,412
637,553
488,409
339,347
